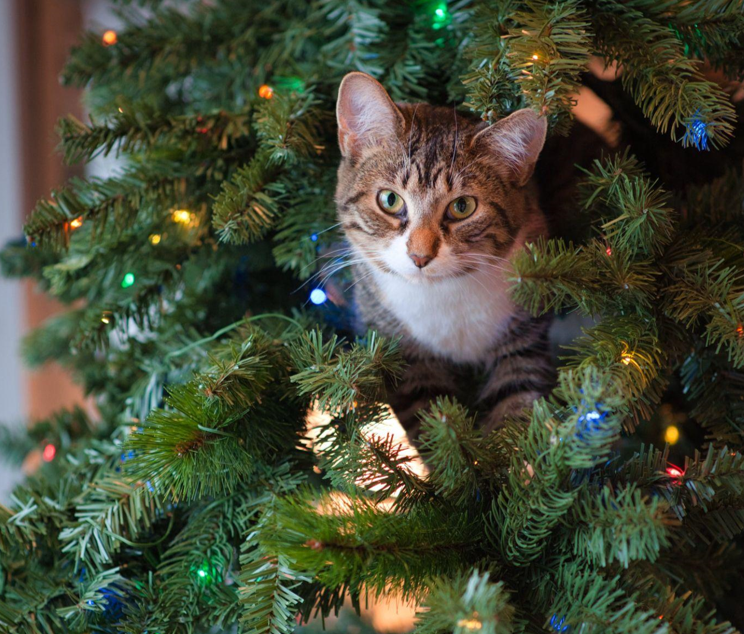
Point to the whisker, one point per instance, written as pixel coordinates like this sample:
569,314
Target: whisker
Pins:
410,132
338,224
353,284
454,148
475,258
325,256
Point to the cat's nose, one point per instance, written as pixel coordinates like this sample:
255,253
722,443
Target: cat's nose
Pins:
420,260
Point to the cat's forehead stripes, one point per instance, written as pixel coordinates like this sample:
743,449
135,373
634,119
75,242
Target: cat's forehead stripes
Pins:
436,138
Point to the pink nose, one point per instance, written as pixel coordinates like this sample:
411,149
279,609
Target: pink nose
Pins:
420,260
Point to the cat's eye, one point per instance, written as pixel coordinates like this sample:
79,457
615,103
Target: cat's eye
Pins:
462,207
389,201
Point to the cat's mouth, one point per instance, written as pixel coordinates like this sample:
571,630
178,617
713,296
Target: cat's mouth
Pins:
424,276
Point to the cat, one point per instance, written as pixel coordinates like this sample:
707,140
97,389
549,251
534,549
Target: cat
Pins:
433,204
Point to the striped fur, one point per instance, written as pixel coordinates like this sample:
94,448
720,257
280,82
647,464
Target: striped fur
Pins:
453,313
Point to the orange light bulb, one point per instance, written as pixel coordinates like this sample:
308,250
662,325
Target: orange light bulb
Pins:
266,92
109,38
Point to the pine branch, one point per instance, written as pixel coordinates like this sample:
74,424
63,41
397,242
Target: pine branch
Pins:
357,460
110,514
456,451
640,219
466,603
357,545
704,378
544,454
620,526
336,377
667,86
355,28
128,133
268,583
247,206
115,201
542,50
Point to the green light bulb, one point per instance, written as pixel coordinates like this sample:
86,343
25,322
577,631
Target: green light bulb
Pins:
441,16
128,280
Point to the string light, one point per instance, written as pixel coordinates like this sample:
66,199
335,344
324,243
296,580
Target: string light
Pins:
740,330
155,238
314,238
182,216
671,435
627,359
318,296
205,573
441,16
128,280
674,472
109,38
589,424
266,92
288,85
49,452
558,624
76,223
697,132
106,318
470,624
535,57
608,250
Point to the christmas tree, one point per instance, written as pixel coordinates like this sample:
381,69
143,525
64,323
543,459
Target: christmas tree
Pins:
208,317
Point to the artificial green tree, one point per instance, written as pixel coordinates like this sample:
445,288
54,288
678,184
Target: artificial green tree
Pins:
208,316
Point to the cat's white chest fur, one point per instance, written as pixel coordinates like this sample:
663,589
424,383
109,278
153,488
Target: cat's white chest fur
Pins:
458,318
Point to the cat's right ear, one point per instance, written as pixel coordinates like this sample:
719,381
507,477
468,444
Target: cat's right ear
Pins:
366,114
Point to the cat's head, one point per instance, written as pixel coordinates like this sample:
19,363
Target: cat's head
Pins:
426,193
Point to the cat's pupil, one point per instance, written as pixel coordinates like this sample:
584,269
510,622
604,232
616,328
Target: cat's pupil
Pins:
391,199
460,205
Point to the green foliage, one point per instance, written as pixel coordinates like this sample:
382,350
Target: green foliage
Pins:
358,372
467,603
197,498
359,546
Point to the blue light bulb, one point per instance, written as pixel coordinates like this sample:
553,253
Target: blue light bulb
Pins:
696,132
314,237
318,296
558,624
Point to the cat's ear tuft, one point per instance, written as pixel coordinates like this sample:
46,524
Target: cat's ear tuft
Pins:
517,141
366,115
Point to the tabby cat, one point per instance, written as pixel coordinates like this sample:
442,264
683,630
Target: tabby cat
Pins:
433,204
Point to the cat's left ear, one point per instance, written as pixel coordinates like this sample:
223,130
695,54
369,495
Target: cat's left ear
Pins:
366,114
517,141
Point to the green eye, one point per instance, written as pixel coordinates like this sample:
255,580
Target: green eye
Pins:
389,201
462,207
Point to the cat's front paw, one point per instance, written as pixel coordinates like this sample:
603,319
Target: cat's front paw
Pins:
514,406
